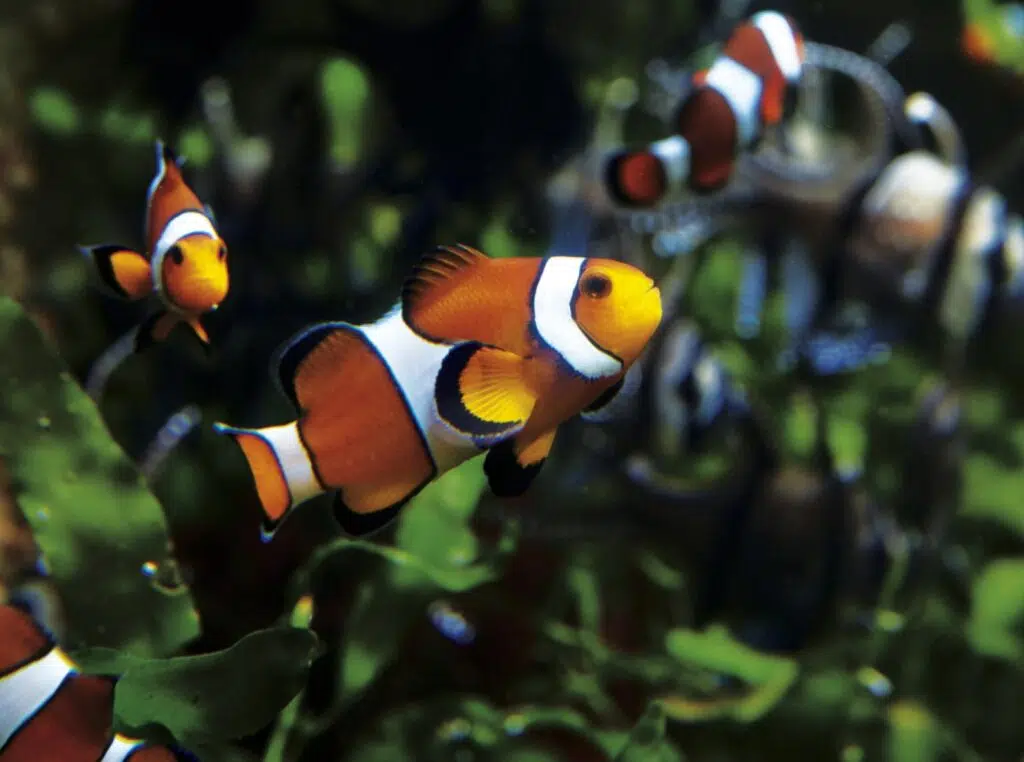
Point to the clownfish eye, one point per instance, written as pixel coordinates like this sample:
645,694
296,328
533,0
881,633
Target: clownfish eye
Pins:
596,286
222,252
176,255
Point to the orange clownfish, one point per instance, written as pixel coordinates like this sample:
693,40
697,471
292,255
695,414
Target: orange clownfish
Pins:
746,89
50,711
187,262
479,355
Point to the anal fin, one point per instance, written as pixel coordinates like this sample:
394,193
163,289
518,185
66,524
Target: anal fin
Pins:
122,271
510,470
481,392
358,524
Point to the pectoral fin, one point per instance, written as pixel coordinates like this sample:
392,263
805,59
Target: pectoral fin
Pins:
510,469
199,331
123,272
481,392
157,327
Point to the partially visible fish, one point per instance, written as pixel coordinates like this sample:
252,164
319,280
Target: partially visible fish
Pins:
725,113
50,711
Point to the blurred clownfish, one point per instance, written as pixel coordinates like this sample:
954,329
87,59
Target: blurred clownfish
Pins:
479,355
187,262
49,711
746,89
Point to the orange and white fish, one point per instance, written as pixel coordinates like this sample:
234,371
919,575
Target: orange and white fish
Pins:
725,113
186,264
50,711
479,355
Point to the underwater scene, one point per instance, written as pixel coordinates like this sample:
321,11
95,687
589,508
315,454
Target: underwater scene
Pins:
511,381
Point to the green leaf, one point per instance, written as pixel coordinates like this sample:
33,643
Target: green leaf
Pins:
212,697
54,111
713,650
647,741
997,611
95,520
914,734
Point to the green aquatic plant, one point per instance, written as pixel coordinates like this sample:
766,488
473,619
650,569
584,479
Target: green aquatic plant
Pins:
97,525
434,551
210,698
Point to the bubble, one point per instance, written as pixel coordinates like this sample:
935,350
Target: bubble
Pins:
451,623
43,513
455,730
166,576
43,422
876,683
515,724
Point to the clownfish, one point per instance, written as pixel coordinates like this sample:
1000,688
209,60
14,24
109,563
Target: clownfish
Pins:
746,89
478,355
186,264
50,711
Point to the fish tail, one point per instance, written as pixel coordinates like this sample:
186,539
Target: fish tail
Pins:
281,466
643,178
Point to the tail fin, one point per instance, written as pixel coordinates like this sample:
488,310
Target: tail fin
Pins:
281,467
643,178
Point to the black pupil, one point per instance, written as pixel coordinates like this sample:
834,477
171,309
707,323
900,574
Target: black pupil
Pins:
596,286
176,255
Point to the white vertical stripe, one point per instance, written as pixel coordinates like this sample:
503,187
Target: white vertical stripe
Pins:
414,363
555,324
674,153
293,458
119,749
187,223
741,88
24,692
780,38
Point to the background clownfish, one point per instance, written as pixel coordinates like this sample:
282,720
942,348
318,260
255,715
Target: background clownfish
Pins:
187,262
49,711
479,355
724,114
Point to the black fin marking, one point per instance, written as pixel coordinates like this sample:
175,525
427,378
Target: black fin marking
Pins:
433,268
292,353
362,524
101,256
592,412
449,399
505,475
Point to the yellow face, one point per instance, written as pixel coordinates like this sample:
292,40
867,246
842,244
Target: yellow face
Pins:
618,307
195,274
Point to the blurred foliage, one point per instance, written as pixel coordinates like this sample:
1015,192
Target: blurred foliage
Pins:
92,515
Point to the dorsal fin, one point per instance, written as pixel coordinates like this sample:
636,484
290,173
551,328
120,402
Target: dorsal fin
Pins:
435,276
